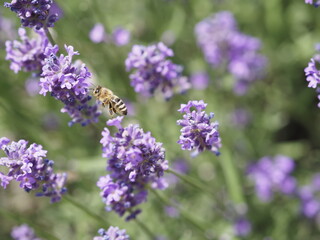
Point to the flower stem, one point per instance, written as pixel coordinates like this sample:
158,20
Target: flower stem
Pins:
183,213
83,208
231,177
191,181
145,228
49,36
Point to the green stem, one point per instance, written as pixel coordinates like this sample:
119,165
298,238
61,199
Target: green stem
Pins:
49,36
22,220
183,213
83,208
145,229
191,181
232,178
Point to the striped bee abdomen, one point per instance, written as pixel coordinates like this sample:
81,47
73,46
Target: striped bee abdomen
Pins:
119,106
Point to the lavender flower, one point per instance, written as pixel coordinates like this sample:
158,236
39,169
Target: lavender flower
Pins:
154,72
27,55
23,232
242,227
272,175
97,33
121,36
33,13
309,198
113,233
316,3
28,166
198,133
311,71
68,82
200,80
225,47
135,161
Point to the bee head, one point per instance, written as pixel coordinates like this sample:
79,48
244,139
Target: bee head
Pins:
96,90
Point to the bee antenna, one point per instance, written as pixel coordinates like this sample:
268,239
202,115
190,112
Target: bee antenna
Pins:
92,84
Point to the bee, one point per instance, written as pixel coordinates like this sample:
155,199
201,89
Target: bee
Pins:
108,99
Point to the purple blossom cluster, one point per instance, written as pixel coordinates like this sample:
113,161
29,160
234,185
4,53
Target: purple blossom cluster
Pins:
29,167
310,198
135,161
198,133
273,175
119,36
154,72
68,82
33,13
113,233
312,72
225,47
315,3
27,55
23,232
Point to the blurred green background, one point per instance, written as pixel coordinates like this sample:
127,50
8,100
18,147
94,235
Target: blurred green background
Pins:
284,117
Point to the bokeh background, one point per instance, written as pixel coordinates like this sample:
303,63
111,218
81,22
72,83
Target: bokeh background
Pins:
282,111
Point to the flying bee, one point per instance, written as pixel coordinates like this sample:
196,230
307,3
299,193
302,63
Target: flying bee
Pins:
108,99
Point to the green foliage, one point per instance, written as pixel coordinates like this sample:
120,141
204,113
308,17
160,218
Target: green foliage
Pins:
284,116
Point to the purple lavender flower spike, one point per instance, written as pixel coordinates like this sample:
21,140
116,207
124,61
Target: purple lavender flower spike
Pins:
68,82
309,198
27,55
273,175
198,133
23,232
121,36
113,233
154,72
225,47
28,166
135,160
33,13
312,2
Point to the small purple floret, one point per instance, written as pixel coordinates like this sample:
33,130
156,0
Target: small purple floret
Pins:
313,73
135,161
198,133
29,166
113,233
309,198
242,227
23,232
312,2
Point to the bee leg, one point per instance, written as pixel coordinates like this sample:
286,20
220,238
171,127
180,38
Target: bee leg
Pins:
111,111
104,103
